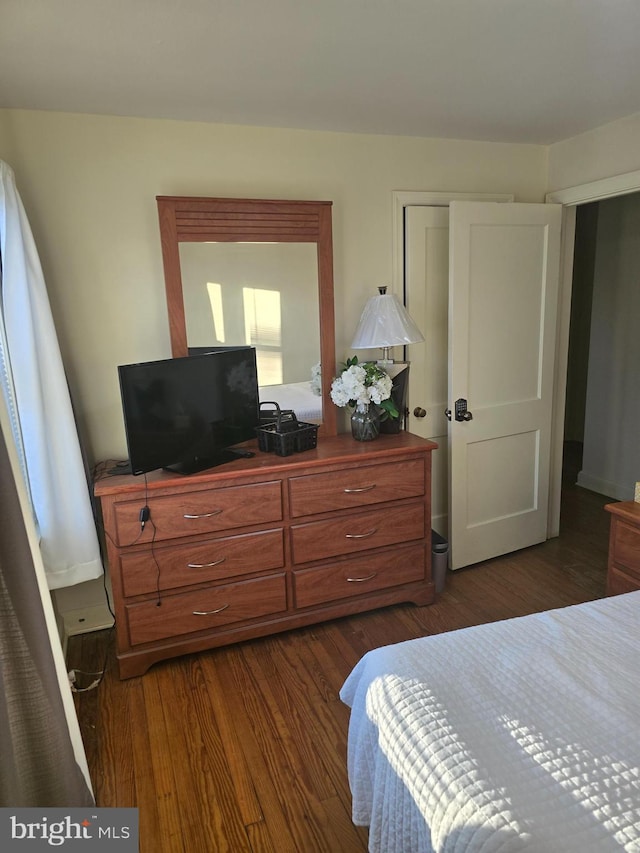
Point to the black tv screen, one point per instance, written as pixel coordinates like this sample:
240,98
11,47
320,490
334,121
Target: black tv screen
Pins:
184,414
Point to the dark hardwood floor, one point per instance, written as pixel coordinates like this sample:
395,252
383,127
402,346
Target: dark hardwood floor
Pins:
244,748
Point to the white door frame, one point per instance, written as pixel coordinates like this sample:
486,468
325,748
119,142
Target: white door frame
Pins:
570,198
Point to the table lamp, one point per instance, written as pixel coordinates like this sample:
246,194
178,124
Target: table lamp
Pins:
385,323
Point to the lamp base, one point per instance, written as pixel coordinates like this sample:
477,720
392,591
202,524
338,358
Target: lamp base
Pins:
385,360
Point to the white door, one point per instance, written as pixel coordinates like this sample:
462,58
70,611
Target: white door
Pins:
490,473
503,296
427,300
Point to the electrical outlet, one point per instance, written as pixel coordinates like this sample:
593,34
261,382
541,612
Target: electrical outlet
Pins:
86,619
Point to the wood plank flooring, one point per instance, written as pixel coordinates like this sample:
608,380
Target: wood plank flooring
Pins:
244,748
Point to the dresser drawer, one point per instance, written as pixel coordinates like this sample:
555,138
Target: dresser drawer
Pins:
198,512
172,566
360,575
206,609
352,487
361,531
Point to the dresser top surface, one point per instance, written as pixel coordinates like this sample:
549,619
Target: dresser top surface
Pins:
339,448
629,510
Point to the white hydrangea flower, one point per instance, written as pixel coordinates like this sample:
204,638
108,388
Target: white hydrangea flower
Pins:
338,394
381,389
353,379
316,379
360,385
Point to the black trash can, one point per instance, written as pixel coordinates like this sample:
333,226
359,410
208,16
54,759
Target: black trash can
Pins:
439,560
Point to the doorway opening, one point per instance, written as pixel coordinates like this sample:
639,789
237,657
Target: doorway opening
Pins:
578,351
602,397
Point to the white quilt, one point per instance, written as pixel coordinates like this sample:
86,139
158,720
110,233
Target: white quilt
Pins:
517,735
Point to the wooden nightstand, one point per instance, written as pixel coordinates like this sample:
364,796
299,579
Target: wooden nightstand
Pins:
623,573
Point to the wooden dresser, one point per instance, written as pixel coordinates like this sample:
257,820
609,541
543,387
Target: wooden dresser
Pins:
623,573
265,544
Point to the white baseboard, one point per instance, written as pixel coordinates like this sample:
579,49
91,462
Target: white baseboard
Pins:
86,619
616,491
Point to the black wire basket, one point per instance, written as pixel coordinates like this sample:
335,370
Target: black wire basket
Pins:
285,434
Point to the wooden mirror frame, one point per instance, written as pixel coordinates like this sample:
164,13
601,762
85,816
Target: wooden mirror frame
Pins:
196,220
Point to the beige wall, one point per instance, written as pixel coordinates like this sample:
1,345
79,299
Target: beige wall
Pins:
613,149
89,185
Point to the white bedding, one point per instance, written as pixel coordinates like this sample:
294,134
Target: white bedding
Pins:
295,395
517,735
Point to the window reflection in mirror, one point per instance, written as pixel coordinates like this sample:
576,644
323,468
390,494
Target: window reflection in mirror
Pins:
258,294
263,330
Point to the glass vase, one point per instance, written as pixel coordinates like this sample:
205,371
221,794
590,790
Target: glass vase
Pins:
365,426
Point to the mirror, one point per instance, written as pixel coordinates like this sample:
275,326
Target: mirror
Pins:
254,293
258,272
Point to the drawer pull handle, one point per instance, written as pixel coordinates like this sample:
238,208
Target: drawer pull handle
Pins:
205,565
204,514
362,580
361,489
210,612
361,535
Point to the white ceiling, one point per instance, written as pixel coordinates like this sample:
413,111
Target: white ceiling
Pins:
534,71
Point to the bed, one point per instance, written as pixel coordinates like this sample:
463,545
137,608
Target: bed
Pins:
517,735
298,396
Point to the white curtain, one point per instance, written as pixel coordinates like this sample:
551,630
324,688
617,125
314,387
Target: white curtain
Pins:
37,396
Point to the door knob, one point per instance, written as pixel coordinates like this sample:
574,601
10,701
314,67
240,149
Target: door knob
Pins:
419,412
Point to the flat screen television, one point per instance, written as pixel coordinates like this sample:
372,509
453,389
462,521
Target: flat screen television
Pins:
186,414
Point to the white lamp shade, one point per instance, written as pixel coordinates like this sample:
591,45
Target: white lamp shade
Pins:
385,322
